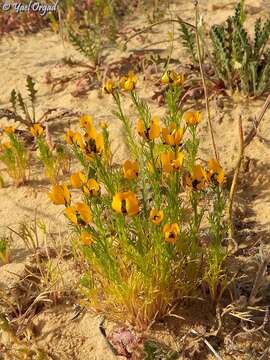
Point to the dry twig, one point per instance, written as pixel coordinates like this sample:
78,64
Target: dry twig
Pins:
204,82
244,142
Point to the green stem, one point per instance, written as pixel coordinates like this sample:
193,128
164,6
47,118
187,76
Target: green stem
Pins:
130,137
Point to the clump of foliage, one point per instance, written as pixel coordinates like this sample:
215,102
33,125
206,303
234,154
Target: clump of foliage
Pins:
239,62
141,225
23,111
188,41
53,158
14,155
91,26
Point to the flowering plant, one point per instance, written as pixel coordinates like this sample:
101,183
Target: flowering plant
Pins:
14,155
142,225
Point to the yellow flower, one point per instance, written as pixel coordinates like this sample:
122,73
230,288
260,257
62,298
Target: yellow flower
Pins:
94,141
169,161
69,137
90,133
179,79
71,214
60,195
215,171
104,124
79,214
78,179
86,121
156,216
37,130
5,145
92,188
129,82
166,78
84,212
178,161
95,145
166,159
130,169
197,179
78,140
9,130
171,232
192,118
152,132
86,238
100,143
109,87
125,203
172,77
173,135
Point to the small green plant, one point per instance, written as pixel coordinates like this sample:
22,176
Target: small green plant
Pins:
188,40
29,234
154,351
98,30
15,157
239,62
4,250
53,158
88,43
24,112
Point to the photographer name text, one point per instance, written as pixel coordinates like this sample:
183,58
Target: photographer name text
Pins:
33,6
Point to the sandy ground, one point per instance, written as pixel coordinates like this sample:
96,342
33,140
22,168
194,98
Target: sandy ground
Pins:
44,51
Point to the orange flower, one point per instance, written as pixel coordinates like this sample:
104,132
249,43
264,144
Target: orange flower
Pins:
80,214
170,161
78,140
86,238
70,212
5,145
69,137
78,179
172,77
178,161
90,133
192,118
129,82
86,121
173,135
9,130
156,216
215,172
104,124
95,145
171,232
37,130
166,159
150,133
197,180
125,203
60,195
109,87
130,169
92,188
